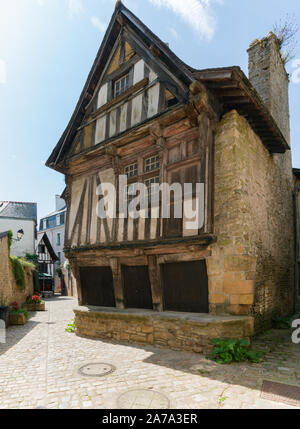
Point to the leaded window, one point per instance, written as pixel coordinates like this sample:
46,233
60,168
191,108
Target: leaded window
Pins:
152,163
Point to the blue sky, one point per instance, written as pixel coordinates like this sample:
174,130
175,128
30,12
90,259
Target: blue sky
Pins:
47,48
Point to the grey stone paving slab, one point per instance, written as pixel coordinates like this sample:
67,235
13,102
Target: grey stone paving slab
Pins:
39,364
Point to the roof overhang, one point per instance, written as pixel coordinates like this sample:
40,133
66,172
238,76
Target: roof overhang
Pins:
235,91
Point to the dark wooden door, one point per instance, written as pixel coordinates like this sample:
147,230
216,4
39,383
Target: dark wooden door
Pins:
185,287
97,286
137,287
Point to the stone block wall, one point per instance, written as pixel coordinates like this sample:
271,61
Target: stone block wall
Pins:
70,283
9,290
177,333
251,267
269,77
4,267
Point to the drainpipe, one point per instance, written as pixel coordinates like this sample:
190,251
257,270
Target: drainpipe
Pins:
296,276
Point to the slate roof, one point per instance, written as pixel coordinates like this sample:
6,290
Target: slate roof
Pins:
18,210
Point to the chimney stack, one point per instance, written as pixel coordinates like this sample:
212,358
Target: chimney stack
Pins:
268,75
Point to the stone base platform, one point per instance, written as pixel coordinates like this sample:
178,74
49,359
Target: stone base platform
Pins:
177,331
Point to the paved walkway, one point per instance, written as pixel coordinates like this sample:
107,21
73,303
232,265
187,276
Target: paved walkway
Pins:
40,361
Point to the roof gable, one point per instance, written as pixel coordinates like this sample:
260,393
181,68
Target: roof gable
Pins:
127,38
45,240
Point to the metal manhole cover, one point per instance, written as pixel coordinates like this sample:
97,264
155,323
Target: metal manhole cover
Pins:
279,392
99,369
143,399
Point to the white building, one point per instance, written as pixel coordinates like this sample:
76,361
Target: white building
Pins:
16,216
54,226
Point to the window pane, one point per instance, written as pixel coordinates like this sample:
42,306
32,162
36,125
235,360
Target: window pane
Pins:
121,85
152,163
131,170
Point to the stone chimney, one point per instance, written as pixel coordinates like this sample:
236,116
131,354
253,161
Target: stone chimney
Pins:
268,75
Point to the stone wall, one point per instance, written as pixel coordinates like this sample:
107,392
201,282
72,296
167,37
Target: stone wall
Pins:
268,75
70,283
175,332
9,290
251,267
4,267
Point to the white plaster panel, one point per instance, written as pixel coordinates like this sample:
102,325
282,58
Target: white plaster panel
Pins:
102,96
139,72
152,76
100,130
123,117
113,123
136,115
77,188
153,100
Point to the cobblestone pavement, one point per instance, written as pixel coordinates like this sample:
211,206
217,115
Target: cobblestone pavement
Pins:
40,361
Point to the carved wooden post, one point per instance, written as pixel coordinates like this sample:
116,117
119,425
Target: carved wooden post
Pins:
118,284
156,283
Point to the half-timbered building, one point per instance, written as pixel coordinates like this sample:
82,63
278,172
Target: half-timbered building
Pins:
146,115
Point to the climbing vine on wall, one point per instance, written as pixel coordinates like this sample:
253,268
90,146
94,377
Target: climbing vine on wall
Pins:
18,271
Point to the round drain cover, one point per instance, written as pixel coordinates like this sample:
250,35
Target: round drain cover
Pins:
143,399
96,369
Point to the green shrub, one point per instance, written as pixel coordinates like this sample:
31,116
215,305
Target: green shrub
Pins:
33,259
21,311
71,327
18,271
279,322
10,236
232,350
27,264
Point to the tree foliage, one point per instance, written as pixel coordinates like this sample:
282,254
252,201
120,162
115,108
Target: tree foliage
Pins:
285,31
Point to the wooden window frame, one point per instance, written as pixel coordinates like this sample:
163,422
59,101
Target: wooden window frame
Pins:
120,91
156,164
135,169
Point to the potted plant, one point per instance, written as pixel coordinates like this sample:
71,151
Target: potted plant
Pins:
17,316
35,303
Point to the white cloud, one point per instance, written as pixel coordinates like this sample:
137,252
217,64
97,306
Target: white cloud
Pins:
75,7
174,32
98,24
3,72
197,13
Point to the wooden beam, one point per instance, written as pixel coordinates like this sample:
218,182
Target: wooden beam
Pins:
118,283
156,283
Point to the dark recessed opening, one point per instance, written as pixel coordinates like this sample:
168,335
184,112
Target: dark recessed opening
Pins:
185,287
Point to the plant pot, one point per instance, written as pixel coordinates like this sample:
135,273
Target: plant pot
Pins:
17,319
35,307
4,314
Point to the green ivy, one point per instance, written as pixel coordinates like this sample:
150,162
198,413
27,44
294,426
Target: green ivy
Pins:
18,271
33,259
10,236
234,350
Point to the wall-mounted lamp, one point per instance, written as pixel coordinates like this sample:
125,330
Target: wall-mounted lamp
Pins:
20,235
